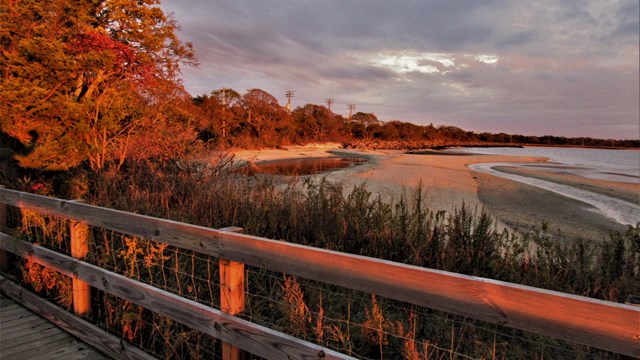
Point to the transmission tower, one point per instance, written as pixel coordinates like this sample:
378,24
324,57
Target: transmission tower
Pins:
351,108
329,102
289,94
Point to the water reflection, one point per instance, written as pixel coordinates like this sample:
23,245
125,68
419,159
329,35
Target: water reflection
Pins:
307,166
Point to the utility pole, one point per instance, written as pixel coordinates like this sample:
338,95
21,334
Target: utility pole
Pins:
351,108
224,113
289,94
329,102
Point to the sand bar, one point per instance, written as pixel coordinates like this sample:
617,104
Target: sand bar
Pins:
448,182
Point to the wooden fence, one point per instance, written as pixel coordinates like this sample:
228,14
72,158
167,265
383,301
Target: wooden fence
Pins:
599,324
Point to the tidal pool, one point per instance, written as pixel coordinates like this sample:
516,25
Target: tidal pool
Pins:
306,166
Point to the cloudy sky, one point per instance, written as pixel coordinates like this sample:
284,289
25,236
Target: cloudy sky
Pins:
565,67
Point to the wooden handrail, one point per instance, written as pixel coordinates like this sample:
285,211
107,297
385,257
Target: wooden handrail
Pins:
600,324
246,335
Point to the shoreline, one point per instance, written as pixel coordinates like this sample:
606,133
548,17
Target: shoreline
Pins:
448,182
629,192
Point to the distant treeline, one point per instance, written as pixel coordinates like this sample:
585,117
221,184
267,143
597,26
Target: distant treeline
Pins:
256,119
86,87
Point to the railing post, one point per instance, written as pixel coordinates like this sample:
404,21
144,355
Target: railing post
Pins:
3,225
231,295
79,249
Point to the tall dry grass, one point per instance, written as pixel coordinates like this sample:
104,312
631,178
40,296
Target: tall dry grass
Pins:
319,213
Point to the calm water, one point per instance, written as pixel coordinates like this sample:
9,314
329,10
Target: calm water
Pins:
615,165
306,166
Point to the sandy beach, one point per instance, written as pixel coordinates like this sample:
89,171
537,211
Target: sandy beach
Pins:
448,182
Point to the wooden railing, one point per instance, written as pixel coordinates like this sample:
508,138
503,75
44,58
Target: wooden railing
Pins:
600,324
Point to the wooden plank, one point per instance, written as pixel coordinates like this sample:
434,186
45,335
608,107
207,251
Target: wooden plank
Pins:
11,311
8,307
72,353
231,295
605,325
21,331
3,224
28,316
563,316
231,298
22,325
72,348
171,232
34,334
79,233
600,324
251,337
44,350
25,325
248,336
25,328
4,301
28,333
83,330
28,350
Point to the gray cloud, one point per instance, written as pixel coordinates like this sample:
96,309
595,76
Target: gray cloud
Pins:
562,67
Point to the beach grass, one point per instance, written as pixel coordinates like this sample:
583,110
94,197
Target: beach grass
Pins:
317,212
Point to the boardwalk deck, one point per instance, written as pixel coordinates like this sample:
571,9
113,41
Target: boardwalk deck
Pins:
25,335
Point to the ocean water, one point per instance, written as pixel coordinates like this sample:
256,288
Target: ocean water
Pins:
613,165
603,164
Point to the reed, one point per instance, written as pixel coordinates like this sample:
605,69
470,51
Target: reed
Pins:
319,213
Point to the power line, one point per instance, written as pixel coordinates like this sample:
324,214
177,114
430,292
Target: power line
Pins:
289,94
351,108
329,102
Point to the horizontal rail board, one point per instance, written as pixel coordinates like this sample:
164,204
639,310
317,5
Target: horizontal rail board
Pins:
246,335
604,325
183,235
83,330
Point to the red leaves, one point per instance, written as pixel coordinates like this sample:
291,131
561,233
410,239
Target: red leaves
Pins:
122,58
96,41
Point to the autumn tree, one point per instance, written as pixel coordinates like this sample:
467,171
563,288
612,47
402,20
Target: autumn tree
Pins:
317,123
229,104
218,114
86,81
361,124
403,131
263,115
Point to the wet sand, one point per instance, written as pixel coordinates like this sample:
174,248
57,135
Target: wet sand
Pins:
624,191
524,208
448,182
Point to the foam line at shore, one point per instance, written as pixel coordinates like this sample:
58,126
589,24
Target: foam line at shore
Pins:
618,210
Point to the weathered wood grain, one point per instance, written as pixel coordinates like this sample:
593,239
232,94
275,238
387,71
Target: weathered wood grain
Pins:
605,325
253,338
231,287
231,295
29,336
186,236
71,353
34,347
81,329
65,344
3,224
17,332
19,320
79,233
9,311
